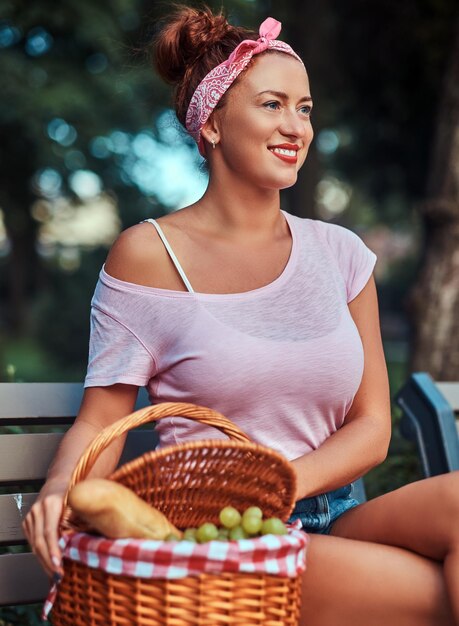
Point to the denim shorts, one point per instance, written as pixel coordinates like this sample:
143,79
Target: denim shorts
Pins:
317,514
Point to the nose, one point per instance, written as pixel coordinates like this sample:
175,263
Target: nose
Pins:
294,124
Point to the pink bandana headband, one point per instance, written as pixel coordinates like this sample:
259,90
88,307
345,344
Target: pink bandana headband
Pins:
217,81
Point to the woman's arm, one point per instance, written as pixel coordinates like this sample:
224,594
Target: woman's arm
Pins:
130,258
101,406
363,440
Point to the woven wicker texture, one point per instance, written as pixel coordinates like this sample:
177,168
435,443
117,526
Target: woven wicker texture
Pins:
190,483
92,597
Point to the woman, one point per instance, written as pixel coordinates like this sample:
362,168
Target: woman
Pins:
273,321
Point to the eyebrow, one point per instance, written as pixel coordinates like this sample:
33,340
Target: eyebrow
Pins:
281,94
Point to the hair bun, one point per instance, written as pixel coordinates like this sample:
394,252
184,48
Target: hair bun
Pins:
188,44
184,36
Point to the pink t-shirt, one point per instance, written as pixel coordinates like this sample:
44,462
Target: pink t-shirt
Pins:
283,361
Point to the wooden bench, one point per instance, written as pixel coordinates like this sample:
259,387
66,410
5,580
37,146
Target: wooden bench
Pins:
430,418
24,460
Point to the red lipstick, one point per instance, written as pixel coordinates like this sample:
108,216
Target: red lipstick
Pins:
285,157
286,146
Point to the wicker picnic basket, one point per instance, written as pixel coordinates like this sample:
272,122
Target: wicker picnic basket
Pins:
189,483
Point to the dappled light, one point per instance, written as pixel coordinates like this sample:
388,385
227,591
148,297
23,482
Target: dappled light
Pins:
38,41
62,132
48,182
9,35
332,196
93,223
328,141
85,184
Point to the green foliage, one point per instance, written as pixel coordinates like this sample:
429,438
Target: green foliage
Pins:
22,616
25,360
56,348
90,77
63,331
401,467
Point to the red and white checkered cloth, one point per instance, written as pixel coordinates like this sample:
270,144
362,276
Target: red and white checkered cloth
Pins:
279,555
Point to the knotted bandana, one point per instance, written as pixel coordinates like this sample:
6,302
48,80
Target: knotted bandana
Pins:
217,81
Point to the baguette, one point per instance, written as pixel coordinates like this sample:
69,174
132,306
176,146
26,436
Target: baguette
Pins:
117,512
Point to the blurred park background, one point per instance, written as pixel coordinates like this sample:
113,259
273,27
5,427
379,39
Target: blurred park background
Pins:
89,146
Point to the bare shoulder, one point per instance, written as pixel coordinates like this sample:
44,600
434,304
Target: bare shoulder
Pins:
137,255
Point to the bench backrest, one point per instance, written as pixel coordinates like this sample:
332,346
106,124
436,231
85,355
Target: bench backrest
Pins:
430,410
451,392
24,461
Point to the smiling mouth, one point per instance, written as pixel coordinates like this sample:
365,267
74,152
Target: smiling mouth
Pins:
288,156
284,151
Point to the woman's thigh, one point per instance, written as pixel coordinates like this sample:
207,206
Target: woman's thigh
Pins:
357,583
422,516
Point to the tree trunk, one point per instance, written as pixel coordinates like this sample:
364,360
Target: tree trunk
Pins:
434,301
16,197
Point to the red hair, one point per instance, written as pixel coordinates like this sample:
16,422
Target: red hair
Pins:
188,45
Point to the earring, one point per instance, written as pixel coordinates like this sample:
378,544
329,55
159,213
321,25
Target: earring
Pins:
213,144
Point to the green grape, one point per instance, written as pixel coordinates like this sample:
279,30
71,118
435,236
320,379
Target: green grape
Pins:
237,533
172,537
230,517
190,534
223,533
206,532
273,526
251,524
253,511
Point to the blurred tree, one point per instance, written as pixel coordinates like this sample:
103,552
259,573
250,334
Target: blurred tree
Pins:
434,300
71,81
400,104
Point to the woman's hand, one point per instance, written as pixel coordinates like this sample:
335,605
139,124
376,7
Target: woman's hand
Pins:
101,406
41,528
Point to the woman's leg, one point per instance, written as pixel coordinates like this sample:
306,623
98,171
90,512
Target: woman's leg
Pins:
358,583
422,517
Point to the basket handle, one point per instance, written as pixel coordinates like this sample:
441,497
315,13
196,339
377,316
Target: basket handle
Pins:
201,414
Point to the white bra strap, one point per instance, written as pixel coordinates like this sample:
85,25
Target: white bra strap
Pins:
171,253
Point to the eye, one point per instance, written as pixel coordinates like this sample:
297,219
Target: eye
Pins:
307,109
273,105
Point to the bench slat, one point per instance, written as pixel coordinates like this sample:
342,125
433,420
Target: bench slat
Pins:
40,400
27,457
22,580
46,403
13,509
